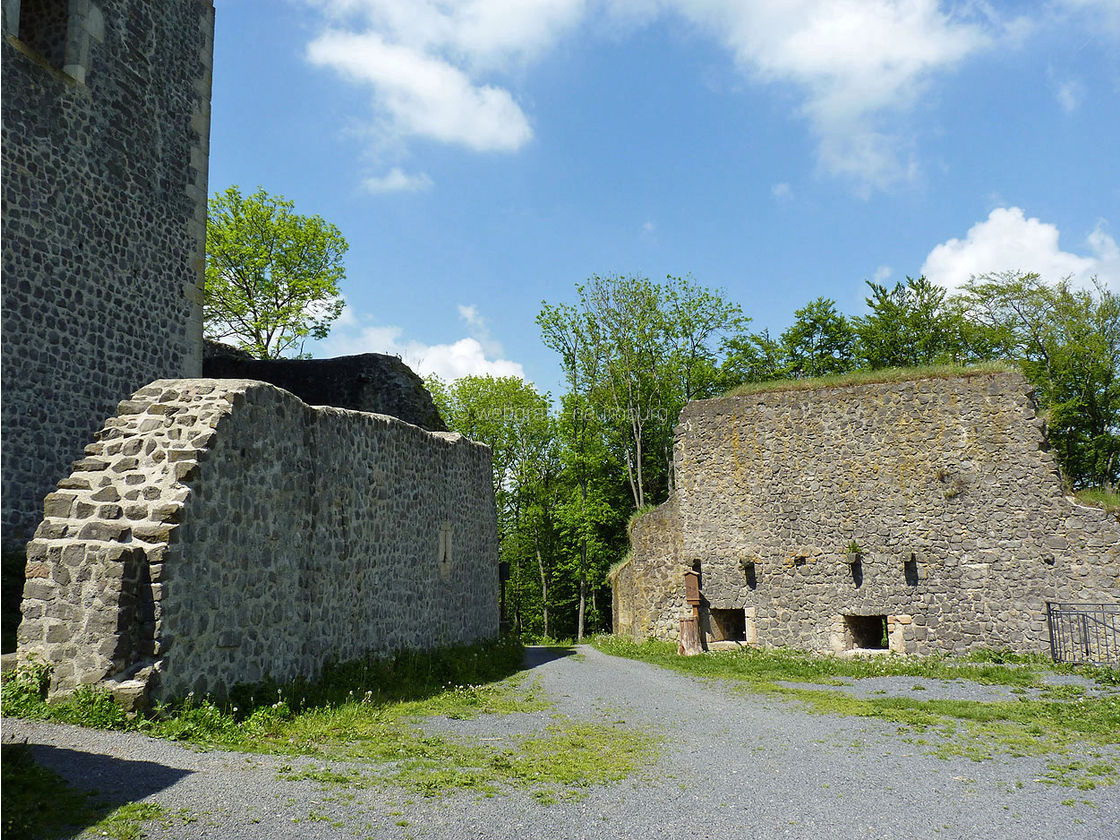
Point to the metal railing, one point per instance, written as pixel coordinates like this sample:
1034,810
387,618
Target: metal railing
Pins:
1084,633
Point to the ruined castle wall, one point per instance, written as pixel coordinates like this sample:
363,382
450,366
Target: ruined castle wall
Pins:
945,484
649,587
104,163
222,531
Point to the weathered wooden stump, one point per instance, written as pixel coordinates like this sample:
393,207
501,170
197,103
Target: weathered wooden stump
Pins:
689,644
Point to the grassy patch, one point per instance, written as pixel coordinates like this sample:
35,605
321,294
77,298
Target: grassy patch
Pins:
371,712
1110,501
1083,775
870,377
1062,719
558,763
127,821
772,665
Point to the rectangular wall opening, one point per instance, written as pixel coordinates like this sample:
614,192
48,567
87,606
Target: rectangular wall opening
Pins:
728,625
43,27
868,632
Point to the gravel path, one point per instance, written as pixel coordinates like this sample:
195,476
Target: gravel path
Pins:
732,766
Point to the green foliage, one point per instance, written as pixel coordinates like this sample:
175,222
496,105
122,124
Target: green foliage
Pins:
910,325
820,342
1067,342
24,689
633,353
636,352
752,358
272,275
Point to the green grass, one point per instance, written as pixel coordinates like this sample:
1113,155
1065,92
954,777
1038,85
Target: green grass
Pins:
1101,498
1060,721
870,377
372,713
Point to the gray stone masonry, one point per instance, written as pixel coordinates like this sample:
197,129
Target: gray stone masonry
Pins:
106,119
946,486
222,531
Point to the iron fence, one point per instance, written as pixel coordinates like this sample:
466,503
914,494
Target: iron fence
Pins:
1084,633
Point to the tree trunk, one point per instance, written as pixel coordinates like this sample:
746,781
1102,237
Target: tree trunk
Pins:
544,580
689,644
582,596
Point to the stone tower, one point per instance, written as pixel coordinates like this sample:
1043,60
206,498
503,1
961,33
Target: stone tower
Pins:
106,123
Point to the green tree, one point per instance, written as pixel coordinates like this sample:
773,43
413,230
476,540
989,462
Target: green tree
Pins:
633,353
638,351
509,416
1067,341
751,358
272,275
909,325
820,341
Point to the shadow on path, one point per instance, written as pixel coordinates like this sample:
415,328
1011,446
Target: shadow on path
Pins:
109,781
536,655
115,780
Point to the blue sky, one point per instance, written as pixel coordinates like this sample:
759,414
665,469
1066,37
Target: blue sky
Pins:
485,155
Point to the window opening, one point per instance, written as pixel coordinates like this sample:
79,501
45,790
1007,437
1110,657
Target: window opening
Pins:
869,632
728,625
43,26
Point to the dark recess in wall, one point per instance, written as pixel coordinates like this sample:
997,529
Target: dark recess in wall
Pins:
370,382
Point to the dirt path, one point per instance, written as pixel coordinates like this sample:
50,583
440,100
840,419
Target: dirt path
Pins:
732,766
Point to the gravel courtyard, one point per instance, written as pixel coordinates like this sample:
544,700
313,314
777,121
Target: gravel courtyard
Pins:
731,765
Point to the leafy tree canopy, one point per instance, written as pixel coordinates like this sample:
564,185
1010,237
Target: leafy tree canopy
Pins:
272,275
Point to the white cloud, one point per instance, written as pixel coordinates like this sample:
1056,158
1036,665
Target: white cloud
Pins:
397,181
1100,14
424,95
782,191
479,330
465,357
853,60
882,273
1069,96
649,227
479,33
431,64
1009,241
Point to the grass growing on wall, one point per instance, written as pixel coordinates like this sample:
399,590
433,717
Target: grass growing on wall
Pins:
1107,499
871,377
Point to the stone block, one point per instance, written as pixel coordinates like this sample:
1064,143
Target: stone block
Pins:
104,531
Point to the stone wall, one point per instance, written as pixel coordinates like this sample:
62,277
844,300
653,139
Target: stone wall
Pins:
222,531
370,382
104,162
646,597
945,485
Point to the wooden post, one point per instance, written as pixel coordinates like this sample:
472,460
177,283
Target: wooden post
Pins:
690,637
